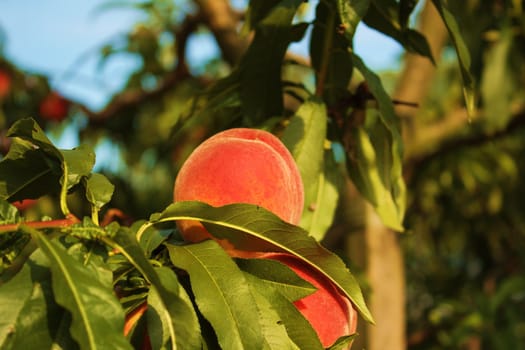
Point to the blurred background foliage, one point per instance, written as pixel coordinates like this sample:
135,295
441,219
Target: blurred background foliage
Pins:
465,242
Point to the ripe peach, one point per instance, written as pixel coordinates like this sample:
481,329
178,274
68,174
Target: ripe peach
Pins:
5,84
330,312
240,166
54,107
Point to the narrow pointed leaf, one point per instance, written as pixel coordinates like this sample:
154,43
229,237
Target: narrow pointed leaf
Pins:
297,327
184,330
97,317
13,296
381,183
158,319
221,293
249,227
41,323
350,13
275,335
278,276
462,53
305,137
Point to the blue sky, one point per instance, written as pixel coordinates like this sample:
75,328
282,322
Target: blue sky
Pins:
60,38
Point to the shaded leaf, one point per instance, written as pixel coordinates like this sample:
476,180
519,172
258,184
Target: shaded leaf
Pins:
158,319
275,334
184,330
78,163
405,10
28,173
329,48
252,228
99,190
8,213
350,13
260,67
383,16
97,317
41,322
278,276
297,327
220,292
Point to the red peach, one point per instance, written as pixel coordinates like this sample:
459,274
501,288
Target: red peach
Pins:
5,84
54,107
240,165
329,311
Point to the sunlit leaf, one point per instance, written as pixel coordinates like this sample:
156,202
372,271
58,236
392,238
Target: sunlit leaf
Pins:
498,85
250,227
377,169
305,136
364,171
220,292
463,55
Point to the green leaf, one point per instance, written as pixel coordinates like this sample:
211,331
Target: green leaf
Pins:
343,343
329,54
8,213
184,329
99,190
252,228
34,319
297,327
77,163
363,169
97,317
305,137
221,293
26,172
405,10
260,68
498,82
463,55
159,321
376,167
275,334
350,13
29,130
383,16
13,296
278,276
